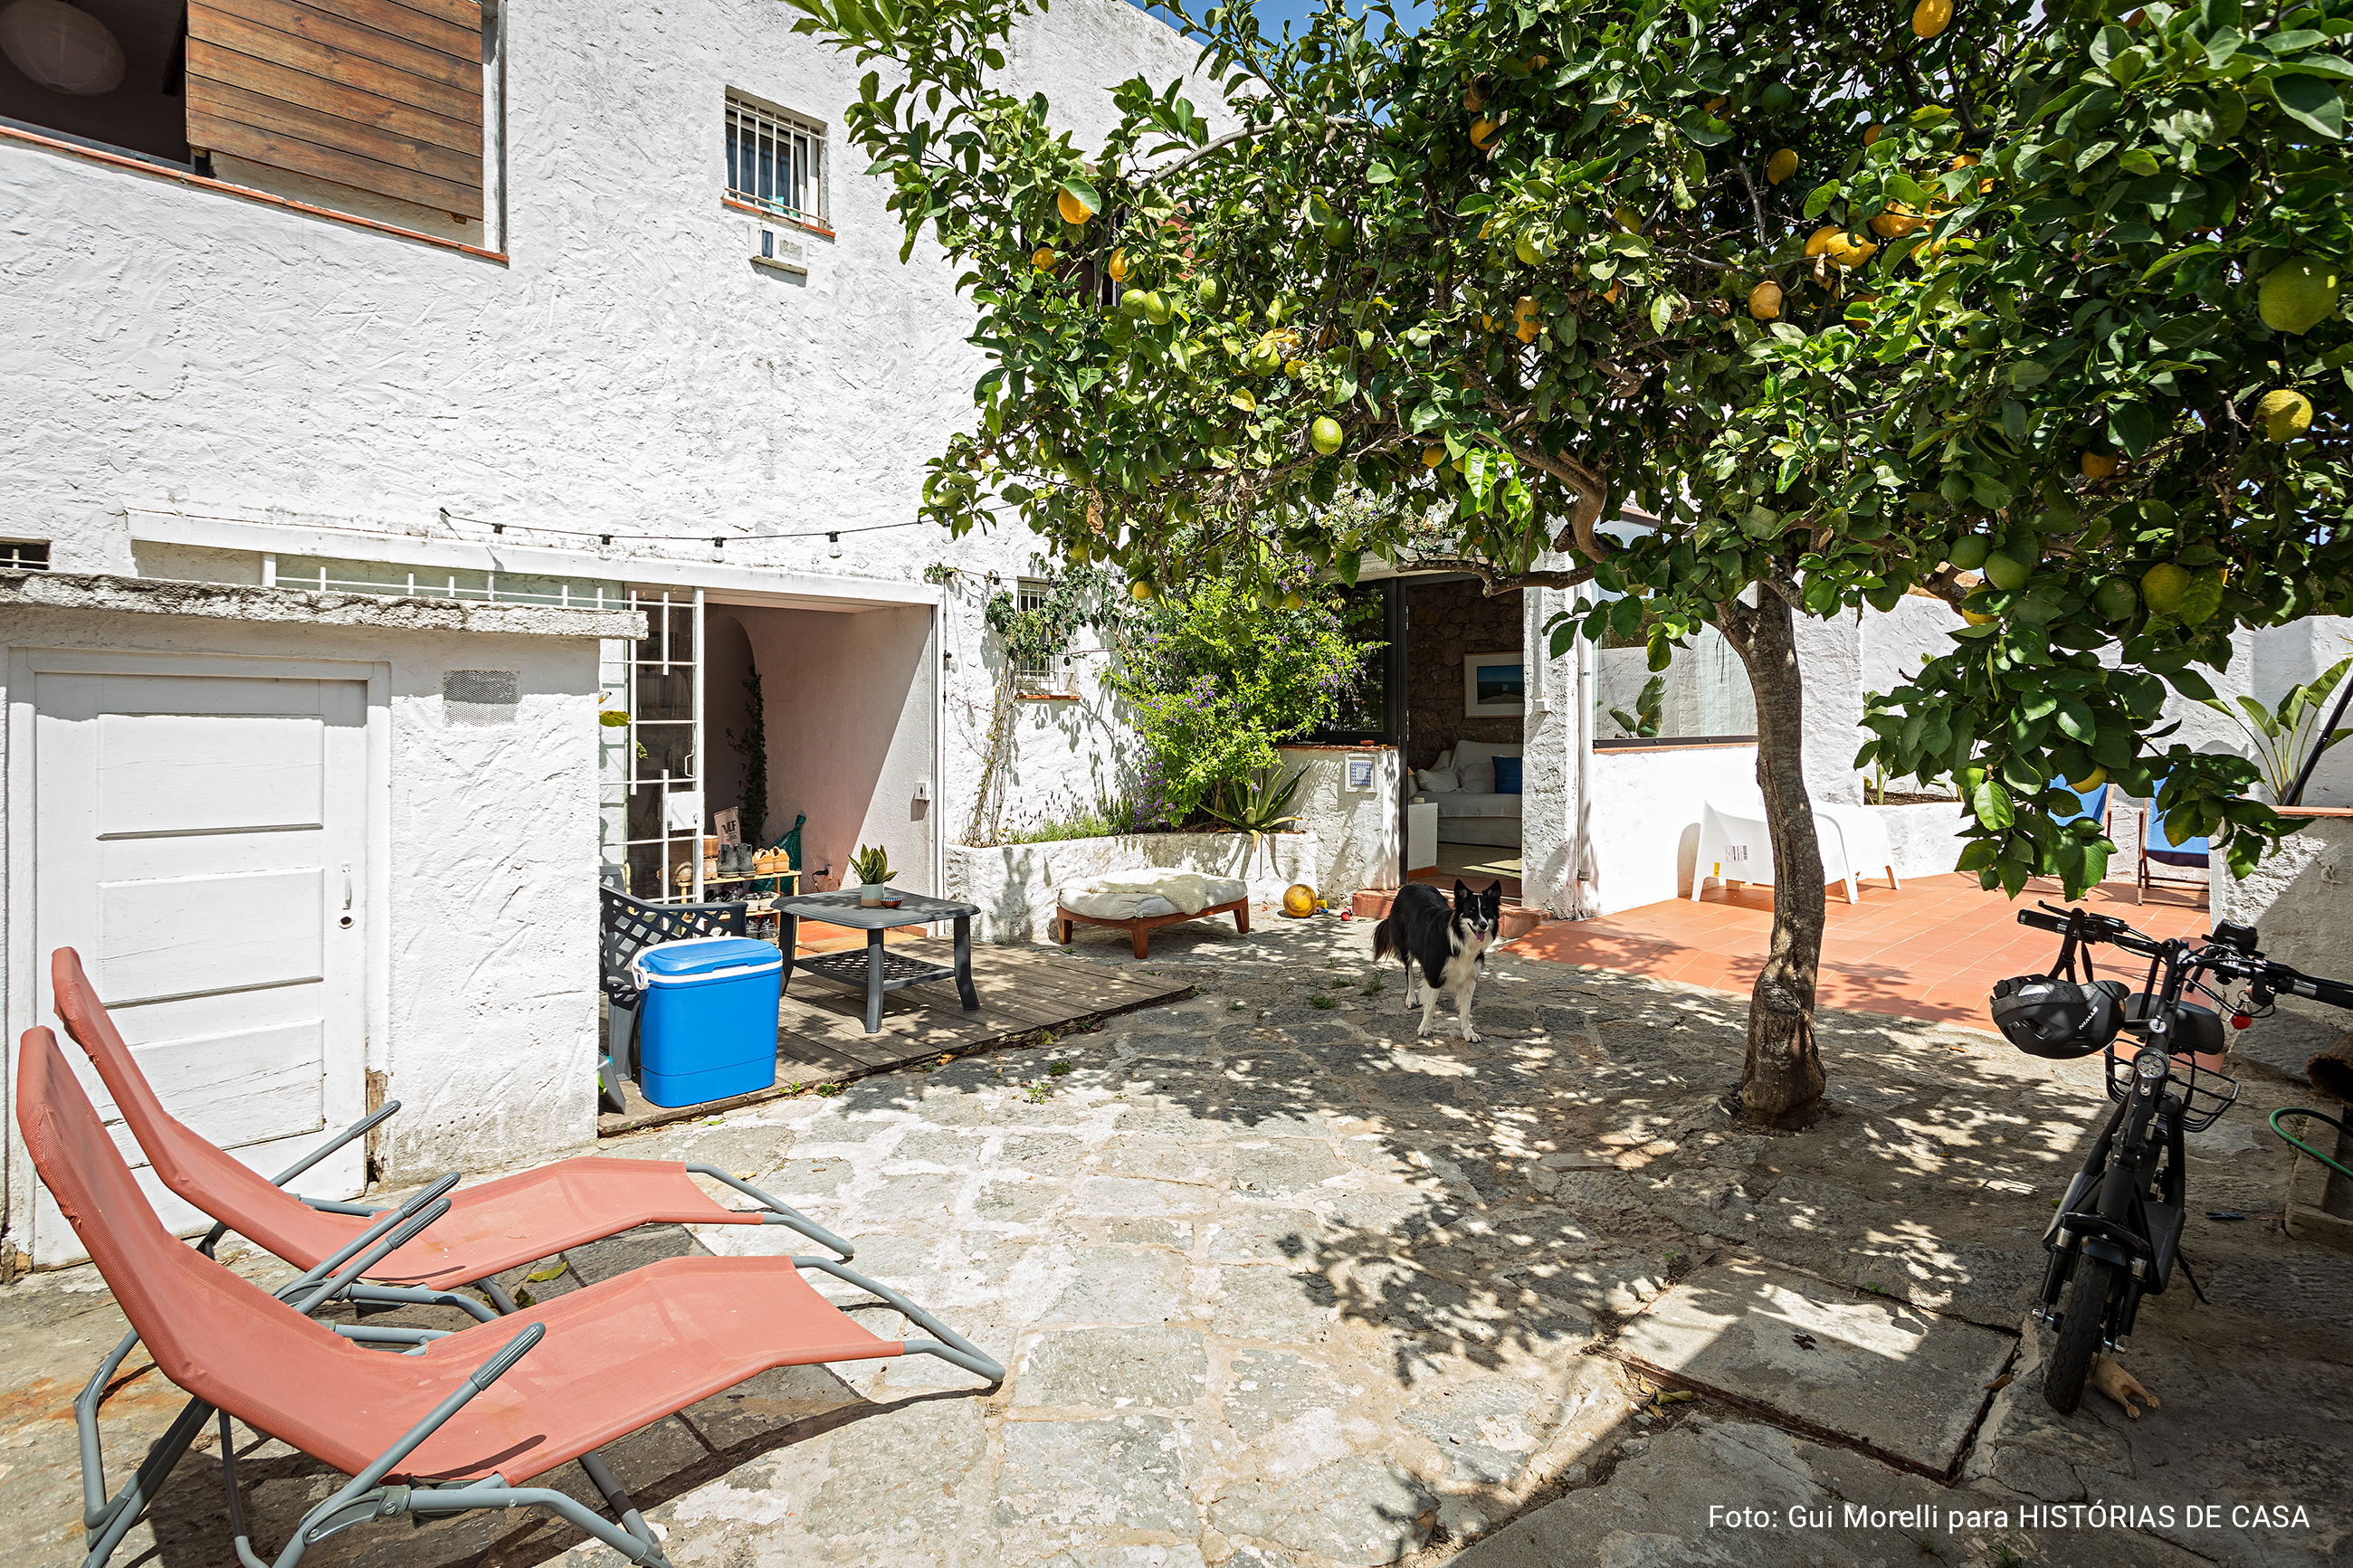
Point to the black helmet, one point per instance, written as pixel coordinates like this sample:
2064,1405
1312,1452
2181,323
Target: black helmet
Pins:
2061,1020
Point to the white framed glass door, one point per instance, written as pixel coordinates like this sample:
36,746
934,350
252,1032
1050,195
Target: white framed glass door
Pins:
650,775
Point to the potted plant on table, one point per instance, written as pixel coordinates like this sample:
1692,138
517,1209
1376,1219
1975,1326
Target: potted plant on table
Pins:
872,866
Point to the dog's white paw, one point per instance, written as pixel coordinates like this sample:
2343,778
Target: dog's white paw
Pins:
1423,1033
1470,1035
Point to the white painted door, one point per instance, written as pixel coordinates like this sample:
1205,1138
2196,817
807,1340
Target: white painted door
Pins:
199,840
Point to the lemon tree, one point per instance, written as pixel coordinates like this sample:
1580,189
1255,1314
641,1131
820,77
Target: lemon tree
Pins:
1532,268
2116,433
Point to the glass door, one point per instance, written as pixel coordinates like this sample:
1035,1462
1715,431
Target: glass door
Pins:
652,809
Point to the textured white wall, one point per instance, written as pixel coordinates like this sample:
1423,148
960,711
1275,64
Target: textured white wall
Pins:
490,966
1646,805
627,369
1356,829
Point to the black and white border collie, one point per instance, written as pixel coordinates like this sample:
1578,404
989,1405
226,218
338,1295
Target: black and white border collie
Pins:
1448,947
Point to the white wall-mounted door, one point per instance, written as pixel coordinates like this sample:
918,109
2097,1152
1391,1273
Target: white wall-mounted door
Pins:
200,839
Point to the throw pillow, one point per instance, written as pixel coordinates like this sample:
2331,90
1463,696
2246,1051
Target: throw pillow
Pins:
1445,759
1507,775
1479,777
1439,780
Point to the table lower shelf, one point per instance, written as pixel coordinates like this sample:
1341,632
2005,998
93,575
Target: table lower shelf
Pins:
850,968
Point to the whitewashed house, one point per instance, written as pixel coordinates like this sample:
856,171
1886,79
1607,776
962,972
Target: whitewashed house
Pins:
387,388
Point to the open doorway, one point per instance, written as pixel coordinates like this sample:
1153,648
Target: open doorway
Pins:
1465,699
110,73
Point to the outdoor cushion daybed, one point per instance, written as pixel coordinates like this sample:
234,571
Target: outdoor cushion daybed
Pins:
1140,901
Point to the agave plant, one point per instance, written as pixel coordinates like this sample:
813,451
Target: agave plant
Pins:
1643,723
2285,738
1257,804
871,865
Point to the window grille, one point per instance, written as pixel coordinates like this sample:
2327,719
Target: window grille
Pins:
327,575
776,161
24,554
1041,675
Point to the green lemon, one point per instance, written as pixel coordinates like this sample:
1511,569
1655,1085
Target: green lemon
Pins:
2089,781
1325,433
1209,293
1157,308
2297,295
2007,573
1131,302
1970,550
2114,599
2161,586
1529,250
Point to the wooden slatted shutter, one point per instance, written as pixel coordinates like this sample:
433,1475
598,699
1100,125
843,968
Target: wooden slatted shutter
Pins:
383,95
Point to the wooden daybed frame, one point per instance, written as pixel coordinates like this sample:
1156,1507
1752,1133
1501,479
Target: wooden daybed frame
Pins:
1140,928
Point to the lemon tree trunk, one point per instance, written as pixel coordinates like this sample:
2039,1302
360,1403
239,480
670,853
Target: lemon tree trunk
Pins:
1781,1080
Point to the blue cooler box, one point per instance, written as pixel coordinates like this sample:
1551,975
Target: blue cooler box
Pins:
707,1021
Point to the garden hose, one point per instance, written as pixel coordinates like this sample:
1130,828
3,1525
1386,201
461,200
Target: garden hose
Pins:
2299,1145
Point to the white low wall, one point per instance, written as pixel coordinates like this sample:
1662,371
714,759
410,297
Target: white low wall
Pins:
1926,836
1357,829
1014,884
2297,902
1645,818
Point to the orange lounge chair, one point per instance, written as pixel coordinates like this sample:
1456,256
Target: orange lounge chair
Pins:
489,1228
440,1427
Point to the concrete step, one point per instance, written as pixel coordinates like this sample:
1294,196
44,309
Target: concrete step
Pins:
1373,904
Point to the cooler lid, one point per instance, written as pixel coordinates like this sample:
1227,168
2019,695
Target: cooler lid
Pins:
701,956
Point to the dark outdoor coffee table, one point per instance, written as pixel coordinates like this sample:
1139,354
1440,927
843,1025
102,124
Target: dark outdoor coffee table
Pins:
876,970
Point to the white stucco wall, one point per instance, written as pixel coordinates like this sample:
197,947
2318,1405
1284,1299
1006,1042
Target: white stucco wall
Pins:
485,970
627,369
2297,902
1552,858
1355,830
1646,812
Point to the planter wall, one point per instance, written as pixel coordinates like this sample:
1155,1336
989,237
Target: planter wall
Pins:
1356,829
1014,884
2297,900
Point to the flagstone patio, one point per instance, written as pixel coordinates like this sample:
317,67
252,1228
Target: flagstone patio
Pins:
1281,1286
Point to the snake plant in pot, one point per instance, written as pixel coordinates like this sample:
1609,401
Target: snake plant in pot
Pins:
872,866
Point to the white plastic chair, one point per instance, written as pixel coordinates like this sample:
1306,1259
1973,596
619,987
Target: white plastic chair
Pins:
1733,833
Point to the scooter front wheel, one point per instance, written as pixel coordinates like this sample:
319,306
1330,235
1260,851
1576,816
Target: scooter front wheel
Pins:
2079,1335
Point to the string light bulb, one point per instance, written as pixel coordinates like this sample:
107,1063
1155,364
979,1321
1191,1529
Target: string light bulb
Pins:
833,546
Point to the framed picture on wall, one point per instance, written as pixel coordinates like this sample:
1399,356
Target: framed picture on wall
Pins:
1495,685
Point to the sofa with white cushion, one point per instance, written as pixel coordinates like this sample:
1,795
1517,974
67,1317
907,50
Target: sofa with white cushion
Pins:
1471,809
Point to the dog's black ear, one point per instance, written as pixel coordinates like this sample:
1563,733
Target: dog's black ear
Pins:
1462,892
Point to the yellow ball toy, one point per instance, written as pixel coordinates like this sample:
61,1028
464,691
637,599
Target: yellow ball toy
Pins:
1299,900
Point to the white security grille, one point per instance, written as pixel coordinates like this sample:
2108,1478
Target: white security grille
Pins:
776,161
1036,675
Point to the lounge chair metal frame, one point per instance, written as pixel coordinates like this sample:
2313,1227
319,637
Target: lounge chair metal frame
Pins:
340,1277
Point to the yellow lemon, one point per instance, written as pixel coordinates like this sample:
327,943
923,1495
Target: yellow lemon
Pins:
2095,466
1896,222
1483,131
1781,165
2089,781
1976,619
2161,587
1042,258
1849,251
1931,17
1140,591
1433,455
2284,414
1818,242
1969,161
1629,219
1873,134
1073,209
1765,301
1716,105
1118,267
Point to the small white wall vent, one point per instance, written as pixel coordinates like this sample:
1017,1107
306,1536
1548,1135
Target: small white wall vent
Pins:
772,250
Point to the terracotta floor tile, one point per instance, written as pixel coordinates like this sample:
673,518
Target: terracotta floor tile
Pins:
1931,951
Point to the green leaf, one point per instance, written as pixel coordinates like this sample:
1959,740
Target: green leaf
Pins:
2179,256
2076,720
2025,373
2313,103
1379,174
545,1275
1085,193
1662,313
1990,803
1819,199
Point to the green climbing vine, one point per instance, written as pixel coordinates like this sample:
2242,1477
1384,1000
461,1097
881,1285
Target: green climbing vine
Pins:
1077,598
751,745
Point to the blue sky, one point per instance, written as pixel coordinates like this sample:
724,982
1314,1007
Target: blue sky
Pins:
1273,14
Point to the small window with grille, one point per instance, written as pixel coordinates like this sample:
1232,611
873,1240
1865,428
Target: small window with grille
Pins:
1043,675
24,554
775,159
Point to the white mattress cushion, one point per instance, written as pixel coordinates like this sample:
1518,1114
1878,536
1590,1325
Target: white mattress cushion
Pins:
1476,804
1148,892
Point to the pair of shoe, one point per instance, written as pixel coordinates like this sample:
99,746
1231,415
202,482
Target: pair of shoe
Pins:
735,860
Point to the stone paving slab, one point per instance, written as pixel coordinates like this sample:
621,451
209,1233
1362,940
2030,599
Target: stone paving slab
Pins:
1895,1381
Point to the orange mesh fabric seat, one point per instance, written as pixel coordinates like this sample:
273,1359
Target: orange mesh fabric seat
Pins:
608,1358
495,1227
